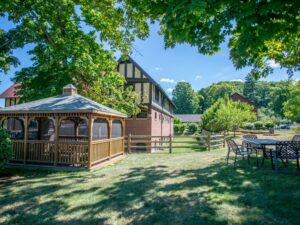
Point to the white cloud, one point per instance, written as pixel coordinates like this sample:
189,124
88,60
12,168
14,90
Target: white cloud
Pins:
239,80
273,64
198,77
169,90
167,80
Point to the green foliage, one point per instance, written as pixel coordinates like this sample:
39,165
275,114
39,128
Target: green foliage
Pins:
185,99
269,124
258,31
212,93
296,129
292,106
192,128
63,52
248,126
258,125
6,150
177,120
226,115
179,128
249,86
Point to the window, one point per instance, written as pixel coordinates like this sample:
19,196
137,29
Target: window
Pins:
156,94
14,127
116,129
155,115
100,129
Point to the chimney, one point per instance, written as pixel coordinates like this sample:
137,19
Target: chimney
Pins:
69,90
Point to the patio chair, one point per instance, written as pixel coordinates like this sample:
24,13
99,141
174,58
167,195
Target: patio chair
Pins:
288,150
248,136
296,137
238,150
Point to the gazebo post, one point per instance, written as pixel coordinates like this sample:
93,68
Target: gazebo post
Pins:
110,136
25,137
56,139
123,135
90,141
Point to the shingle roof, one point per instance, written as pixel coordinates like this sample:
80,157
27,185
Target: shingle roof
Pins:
62,103
189,118
10,92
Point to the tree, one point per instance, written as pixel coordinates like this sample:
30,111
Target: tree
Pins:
185,99
212,93
66,41
259,32
227,115
292,106
279,94
249,87
6,149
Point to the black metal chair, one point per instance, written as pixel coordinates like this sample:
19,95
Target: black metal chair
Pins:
238,150
296,137
248,136
288,150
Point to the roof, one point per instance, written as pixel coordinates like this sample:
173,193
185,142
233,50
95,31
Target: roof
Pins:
149,77
11,92
62,103
237,96
188,118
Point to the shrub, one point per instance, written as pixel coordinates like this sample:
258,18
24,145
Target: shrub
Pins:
6,150
192,128
258,125
296,128
182,128
249,126
269,125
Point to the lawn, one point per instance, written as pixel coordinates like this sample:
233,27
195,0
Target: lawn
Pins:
181,188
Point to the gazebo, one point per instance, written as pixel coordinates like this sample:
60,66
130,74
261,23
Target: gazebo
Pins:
65,130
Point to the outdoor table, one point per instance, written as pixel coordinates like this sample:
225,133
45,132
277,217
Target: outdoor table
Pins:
263,143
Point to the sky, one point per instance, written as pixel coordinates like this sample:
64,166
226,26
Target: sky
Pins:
167,66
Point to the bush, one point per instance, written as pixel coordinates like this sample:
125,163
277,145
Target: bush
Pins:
179,128
6,150
296,128
269,125
258,125
192,128
249,126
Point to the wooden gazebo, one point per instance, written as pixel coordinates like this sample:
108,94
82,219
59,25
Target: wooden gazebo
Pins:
65,130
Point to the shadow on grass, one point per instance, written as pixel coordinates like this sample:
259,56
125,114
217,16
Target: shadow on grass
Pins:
216,194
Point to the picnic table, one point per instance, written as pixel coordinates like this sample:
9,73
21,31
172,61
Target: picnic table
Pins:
263,144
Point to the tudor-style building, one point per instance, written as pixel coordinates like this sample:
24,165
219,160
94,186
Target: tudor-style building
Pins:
157,109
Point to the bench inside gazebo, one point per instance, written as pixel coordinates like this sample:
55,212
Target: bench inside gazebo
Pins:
67,130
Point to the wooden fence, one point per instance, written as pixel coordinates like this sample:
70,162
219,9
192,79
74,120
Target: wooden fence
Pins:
147,143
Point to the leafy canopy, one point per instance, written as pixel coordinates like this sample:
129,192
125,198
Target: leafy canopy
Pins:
71,41
226,115
185,99
258,31
292,106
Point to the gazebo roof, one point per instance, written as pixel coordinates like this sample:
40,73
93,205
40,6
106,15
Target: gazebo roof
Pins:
62,103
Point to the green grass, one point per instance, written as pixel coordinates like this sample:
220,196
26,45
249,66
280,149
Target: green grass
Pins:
186,188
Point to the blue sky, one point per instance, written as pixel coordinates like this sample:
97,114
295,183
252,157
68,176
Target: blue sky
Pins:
167,66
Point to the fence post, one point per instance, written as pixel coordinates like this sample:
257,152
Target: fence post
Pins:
129,143
208,142
170,144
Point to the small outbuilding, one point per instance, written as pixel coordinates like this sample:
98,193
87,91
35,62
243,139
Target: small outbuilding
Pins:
65,130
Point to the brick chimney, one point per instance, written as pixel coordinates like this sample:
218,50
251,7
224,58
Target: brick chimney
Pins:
69,90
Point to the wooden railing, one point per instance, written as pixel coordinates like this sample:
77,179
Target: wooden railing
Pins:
147,143
99,151
66,153
117,146
40,151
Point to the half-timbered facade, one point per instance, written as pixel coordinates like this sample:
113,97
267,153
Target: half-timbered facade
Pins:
157,109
